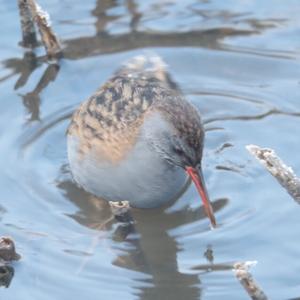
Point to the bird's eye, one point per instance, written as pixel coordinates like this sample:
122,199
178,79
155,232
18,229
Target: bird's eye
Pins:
178,151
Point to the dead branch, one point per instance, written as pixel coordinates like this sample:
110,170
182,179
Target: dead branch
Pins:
30,11
27,25
8,250
48,36
284,174
241,271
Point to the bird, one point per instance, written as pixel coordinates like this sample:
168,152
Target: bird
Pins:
138,139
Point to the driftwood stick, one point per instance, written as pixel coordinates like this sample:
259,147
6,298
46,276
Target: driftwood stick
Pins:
284,174
49,39
241,271
8,250
27,25
7,254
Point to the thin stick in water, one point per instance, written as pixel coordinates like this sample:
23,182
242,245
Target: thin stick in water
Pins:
284,174
8,250
27,25
49,39
241,271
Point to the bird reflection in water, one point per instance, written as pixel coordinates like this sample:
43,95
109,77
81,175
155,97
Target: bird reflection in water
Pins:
6,275
152,249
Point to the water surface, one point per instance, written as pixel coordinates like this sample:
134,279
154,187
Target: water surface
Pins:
238,62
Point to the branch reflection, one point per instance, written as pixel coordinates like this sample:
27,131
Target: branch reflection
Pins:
153,250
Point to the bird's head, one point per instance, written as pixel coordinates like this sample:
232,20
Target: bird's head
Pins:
177,135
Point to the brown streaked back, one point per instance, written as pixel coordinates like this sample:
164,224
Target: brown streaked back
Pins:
110,119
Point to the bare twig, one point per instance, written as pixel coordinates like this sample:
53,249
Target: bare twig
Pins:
8,250
241,271
30,11
284,174
7,254
49,38
27,25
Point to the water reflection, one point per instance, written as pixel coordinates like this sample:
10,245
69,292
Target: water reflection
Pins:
134,37
150,246
103,18
32,100
25,68
6,275
106,41
159,251
152,249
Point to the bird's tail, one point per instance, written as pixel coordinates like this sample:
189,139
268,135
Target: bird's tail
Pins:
150,64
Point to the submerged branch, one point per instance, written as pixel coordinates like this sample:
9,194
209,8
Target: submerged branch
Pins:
284,174
241,271
7,255
27,25
48,36
7,250
31,12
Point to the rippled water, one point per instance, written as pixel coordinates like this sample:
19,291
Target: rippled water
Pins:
238,62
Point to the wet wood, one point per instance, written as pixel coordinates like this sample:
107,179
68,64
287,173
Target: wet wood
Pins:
241,271
30,13
6,275
49,38
8,250
284,174
27,26
7,255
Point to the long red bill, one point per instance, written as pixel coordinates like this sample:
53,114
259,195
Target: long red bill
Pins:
198,180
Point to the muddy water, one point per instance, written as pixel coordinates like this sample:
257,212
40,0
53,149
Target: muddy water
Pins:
238,62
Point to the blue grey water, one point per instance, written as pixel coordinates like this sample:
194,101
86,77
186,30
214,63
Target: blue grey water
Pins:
239,63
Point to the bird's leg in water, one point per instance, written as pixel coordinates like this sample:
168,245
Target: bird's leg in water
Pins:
121,212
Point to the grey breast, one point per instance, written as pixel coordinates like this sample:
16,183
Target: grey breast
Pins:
142,176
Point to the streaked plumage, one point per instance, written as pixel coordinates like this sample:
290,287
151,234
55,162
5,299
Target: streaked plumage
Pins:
132,139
